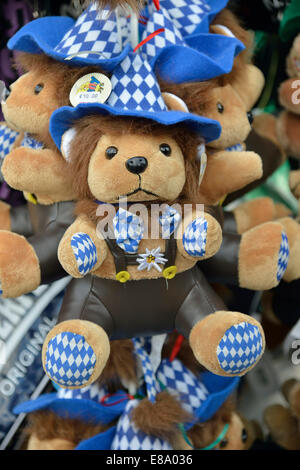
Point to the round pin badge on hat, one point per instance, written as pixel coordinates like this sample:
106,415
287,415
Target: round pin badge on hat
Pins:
91,88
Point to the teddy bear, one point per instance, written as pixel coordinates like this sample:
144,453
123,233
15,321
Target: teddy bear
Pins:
282,421
130,257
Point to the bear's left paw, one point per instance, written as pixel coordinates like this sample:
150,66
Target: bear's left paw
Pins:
85,252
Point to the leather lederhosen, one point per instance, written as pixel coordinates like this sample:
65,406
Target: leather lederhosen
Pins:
141,307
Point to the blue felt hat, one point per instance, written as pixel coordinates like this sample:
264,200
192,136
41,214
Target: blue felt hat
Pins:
91,40
135,93
85,404
179,59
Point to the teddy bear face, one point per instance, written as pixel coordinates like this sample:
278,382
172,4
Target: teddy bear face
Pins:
139,168
228,108
32,100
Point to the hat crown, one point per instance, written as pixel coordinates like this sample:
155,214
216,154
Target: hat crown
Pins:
186,14
94,35
135,87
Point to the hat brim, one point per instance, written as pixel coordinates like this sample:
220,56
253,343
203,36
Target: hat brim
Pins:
41,36
63,119
208,56
83,409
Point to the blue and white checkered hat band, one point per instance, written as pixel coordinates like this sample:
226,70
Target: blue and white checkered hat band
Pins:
149,376
70,360
283,257
94,33
183,384
240,348
30,142
169,37
186,14
90,392
7,140
128,230
85,252
194,237
135,87
128,437
169,222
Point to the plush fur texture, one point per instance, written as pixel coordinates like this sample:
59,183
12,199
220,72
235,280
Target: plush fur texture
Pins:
161,418
17,277
48,431
284,422
254,212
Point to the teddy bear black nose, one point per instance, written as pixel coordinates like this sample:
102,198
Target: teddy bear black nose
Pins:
250,117
137,165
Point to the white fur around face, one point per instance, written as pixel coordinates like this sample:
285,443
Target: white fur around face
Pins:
66,142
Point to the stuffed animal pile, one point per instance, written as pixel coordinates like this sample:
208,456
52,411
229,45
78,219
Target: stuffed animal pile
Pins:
126,133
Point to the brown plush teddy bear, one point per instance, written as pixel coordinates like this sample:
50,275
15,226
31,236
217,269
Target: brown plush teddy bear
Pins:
109,144
36,167
282,421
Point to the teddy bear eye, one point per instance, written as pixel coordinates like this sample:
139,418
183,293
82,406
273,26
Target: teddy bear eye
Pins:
220,108
244,435
165,149
111,152
38,88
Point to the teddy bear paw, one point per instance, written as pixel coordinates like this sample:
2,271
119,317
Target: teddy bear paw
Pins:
75,353
202,237
85,252
227,343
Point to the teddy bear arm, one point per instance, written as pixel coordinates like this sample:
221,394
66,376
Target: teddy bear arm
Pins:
229,171
81,249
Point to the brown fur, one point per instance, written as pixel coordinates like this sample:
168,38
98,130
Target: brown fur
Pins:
203,434
46,425
185,354
121,364
160,419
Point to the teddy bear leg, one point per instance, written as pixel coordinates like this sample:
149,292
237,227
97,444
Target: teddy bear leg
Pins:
288,125
75,353
263,256
292,230
251,213
227,343
19,265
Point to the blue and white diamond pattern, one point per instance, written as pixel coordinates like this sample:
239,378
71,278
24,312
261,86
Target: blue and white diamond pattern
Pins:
128,230
240,348
194,237
85,252
169,221
186,14
7,139
94,35
169,37
30,142
128,437
70,360
134,87
149,376
283,257
90,392
182,383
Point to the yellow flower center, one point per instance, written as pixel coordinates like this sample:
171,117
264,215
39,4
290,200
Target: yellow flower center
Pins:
150,259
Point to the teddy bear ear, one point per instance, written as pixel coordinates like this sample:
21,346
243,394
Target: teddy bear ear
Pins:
221,29
249,84
174,103
66,141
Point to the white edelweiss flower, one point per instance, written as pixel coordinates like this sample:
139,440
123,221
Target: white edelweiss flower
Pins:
151,259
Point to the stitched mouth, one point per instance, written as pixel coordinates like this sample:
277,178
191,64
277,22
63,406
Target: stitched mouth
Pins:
140,189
